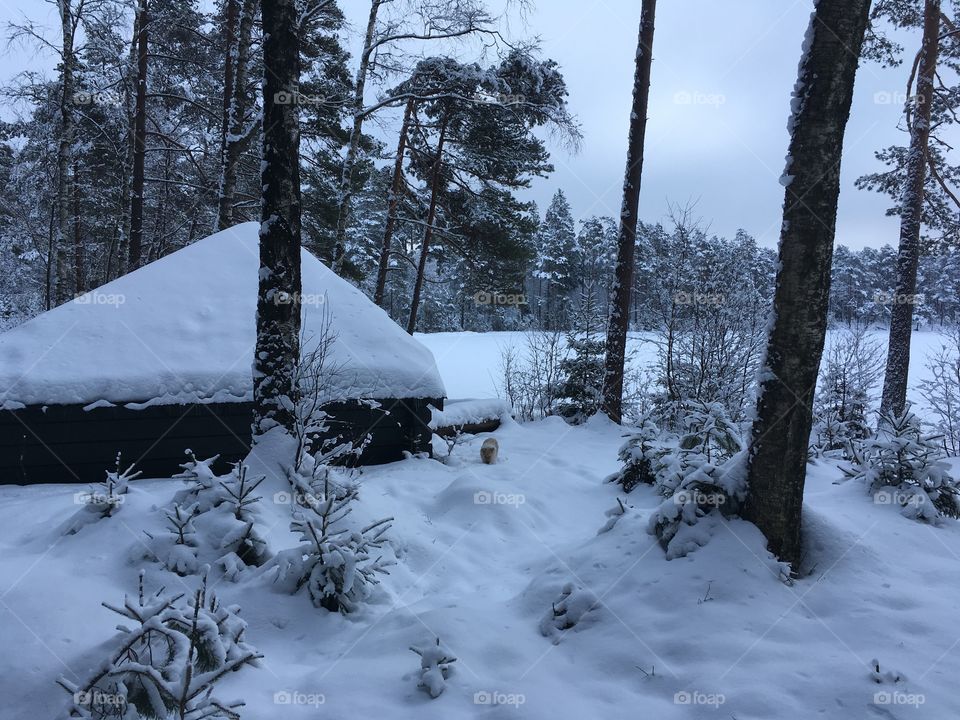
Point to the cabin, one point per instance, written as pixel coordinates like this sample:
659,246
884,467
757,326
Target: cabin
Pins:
160,361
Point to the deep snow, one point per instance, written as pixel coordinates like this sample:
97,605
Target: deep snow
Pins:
483,552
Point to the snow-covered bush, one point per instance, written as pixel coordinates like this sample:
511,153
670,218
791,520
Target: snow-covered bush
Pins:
335,563
103,500
703,476
570,610
168,662
852,369
904,465
641,456
435,662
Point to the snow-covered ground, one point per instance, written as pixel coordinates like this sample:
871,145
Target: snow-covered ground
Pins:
483,551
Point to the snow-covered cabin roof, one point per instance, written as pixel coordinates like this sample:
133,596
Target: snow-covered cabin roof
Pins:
182,330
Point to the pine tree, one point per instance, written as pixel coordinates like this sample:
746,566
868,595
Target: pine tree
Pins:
619,322
278,300
781,431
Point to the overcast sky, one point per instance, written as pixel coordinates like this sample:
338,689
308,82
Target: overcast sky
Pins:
722,77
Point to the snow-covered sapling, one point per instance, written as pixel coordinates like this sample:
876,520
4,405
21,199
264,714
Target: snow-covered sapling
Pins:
176,549
435,662
335,563
167,664
704,475
640,456
104,499
569,611
904,465
202,482
233,523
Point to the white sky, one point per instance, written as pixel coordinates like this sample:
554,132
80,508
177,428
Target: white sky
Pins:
736,61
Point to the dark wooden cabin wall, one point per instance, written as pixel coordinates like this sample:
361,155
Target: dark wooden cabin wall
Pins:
65,443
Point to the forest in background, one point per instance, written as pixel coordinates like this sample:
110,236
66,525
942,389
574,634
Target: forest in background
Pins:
414,158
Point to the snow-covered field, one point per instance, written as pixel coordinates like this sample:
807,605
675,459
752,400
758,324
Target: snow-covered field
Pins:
482,554
471,363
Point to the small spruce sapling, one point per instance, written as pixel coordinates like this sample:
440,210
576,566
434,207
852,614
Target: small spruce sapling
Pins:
104,499
435,667
335,563
903,465
702,476
641,456
168,663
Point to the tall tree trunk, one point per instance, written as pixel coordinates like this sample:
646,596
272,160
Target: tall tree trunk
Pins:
911,218
139,139
126,190
79,256
619,321
778,452
63,290
356,132
393,203
428,233
229,62
236,134
278,299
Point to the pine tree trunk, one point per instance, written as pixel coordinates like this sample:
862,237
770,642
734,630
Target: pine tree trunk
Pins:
392,205
236,134
139,141
778,452
79,256
619,321
356,132
64,153
278,301
229,61
437,176
911,218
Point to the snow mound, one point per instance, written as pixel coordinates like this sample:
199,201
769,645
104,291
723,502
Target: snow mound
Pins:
182,330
